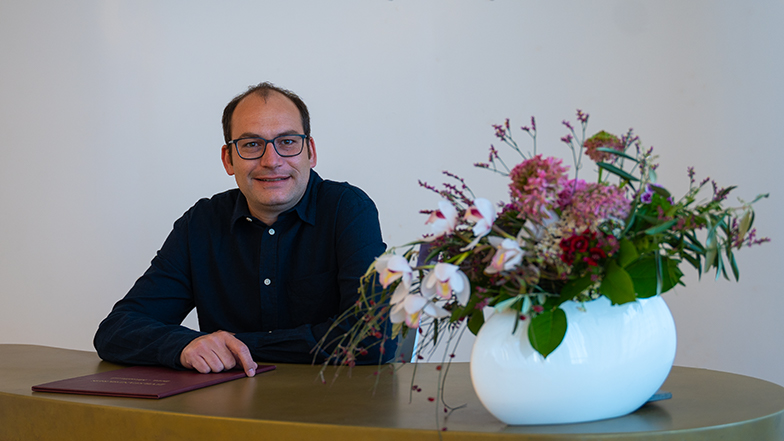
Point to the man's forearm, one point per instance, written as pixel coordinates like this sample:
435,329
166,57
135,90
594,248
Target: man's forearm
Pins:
126,337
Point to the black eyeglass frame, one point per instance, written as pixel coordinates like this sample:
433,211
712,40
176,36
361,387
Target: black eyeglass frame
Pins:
269,141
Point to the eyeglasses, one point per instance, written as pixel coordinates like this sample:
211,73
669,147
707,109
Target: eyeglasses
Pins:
285,145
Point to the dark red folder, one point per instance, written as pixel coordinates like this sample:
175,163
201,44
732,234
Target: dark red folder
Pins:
142,382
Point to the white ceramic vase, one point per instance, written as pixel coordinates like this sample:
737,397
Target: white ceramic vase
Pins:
611,361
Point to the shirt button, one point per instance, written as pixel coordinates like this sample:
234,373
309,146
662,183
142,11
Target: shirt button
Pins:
272,231
267,281
249,219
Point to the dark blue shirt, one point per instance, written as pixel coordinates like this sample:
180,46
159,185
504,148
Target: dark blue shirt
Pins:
279,288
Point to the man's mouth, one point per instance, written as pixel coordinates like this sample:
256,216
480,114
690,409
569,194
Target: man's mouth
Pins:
272,179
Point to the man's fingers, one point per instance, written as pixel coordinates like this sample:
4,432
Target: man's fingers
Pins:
242,355
217,352
201,358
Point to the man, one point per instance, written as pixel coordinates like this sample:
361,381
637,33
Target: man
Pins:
269,266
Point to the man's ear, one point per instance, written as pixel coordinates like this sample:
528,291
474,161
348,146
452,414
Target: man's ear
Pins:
312,152
228,164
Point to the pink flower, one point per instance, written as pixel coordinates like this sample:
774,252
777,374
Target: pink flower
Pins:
602,140
535,185
587,203
442,221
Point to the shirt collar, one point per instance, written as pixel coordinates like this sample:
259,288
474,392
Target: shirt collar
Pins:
305,208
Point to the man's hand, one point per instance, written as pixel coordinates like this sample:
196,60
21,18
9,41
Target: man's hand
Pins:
217,352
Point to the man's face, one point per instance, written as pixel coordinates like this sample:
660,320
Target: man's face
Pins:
271,184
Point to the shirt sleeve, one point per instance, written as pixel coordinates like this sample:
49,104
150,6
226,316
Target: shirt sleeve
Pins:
358,242
144,327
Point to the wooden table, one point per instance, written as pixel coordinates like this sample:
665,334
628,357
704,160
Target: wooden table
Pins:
290,403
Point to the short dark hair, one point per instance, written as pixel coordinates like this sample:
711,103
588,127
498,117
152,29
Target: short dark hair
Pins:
263,90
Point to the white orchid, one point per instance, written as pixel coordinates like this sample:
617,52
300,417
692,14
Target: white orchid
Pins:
507,256
444,280
442,221
391,267
410,310
482,213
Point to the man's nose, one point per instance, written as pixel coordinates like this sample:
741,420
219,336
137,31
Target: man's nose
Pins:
270,158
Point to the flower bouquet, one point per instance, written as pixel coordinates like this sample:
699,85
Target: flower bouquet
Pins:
558,239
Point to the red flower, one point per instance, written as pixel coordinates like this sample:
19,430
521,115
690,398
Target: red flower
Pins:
580,244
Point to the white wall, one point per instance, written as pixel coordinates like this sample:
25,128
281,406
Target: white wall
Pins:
110,127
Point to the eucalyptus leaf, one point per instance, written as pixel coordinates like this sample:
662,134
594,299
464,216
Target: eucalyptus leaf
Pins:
506,304
617,171
661,191
721,269
745,224
617,153
733,263
710,258
760,196
661,227
694,261
547,330
396,328
526,305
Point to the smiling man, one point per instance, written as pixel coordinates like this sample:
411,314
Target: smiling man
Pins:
268,266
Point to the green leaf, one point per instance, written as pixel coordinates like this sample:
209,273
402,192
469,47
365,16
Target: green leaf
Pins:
506,304
659,276
574,287
630,221
627,253
617,153
694,261
476,321
617,171
661,227
694,244
617,285
547,330
396,328
745,224
733,263
710,258
721,269
661,191
643,274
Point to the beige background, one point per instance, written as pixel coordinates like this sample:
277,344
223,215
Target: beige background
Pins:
110,127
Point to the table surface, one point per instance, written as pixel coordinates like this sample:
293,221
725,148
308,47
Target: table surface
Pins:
368,402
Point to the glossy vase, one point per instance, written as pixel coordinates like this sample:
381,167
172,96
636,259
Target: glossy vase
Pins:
611,361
